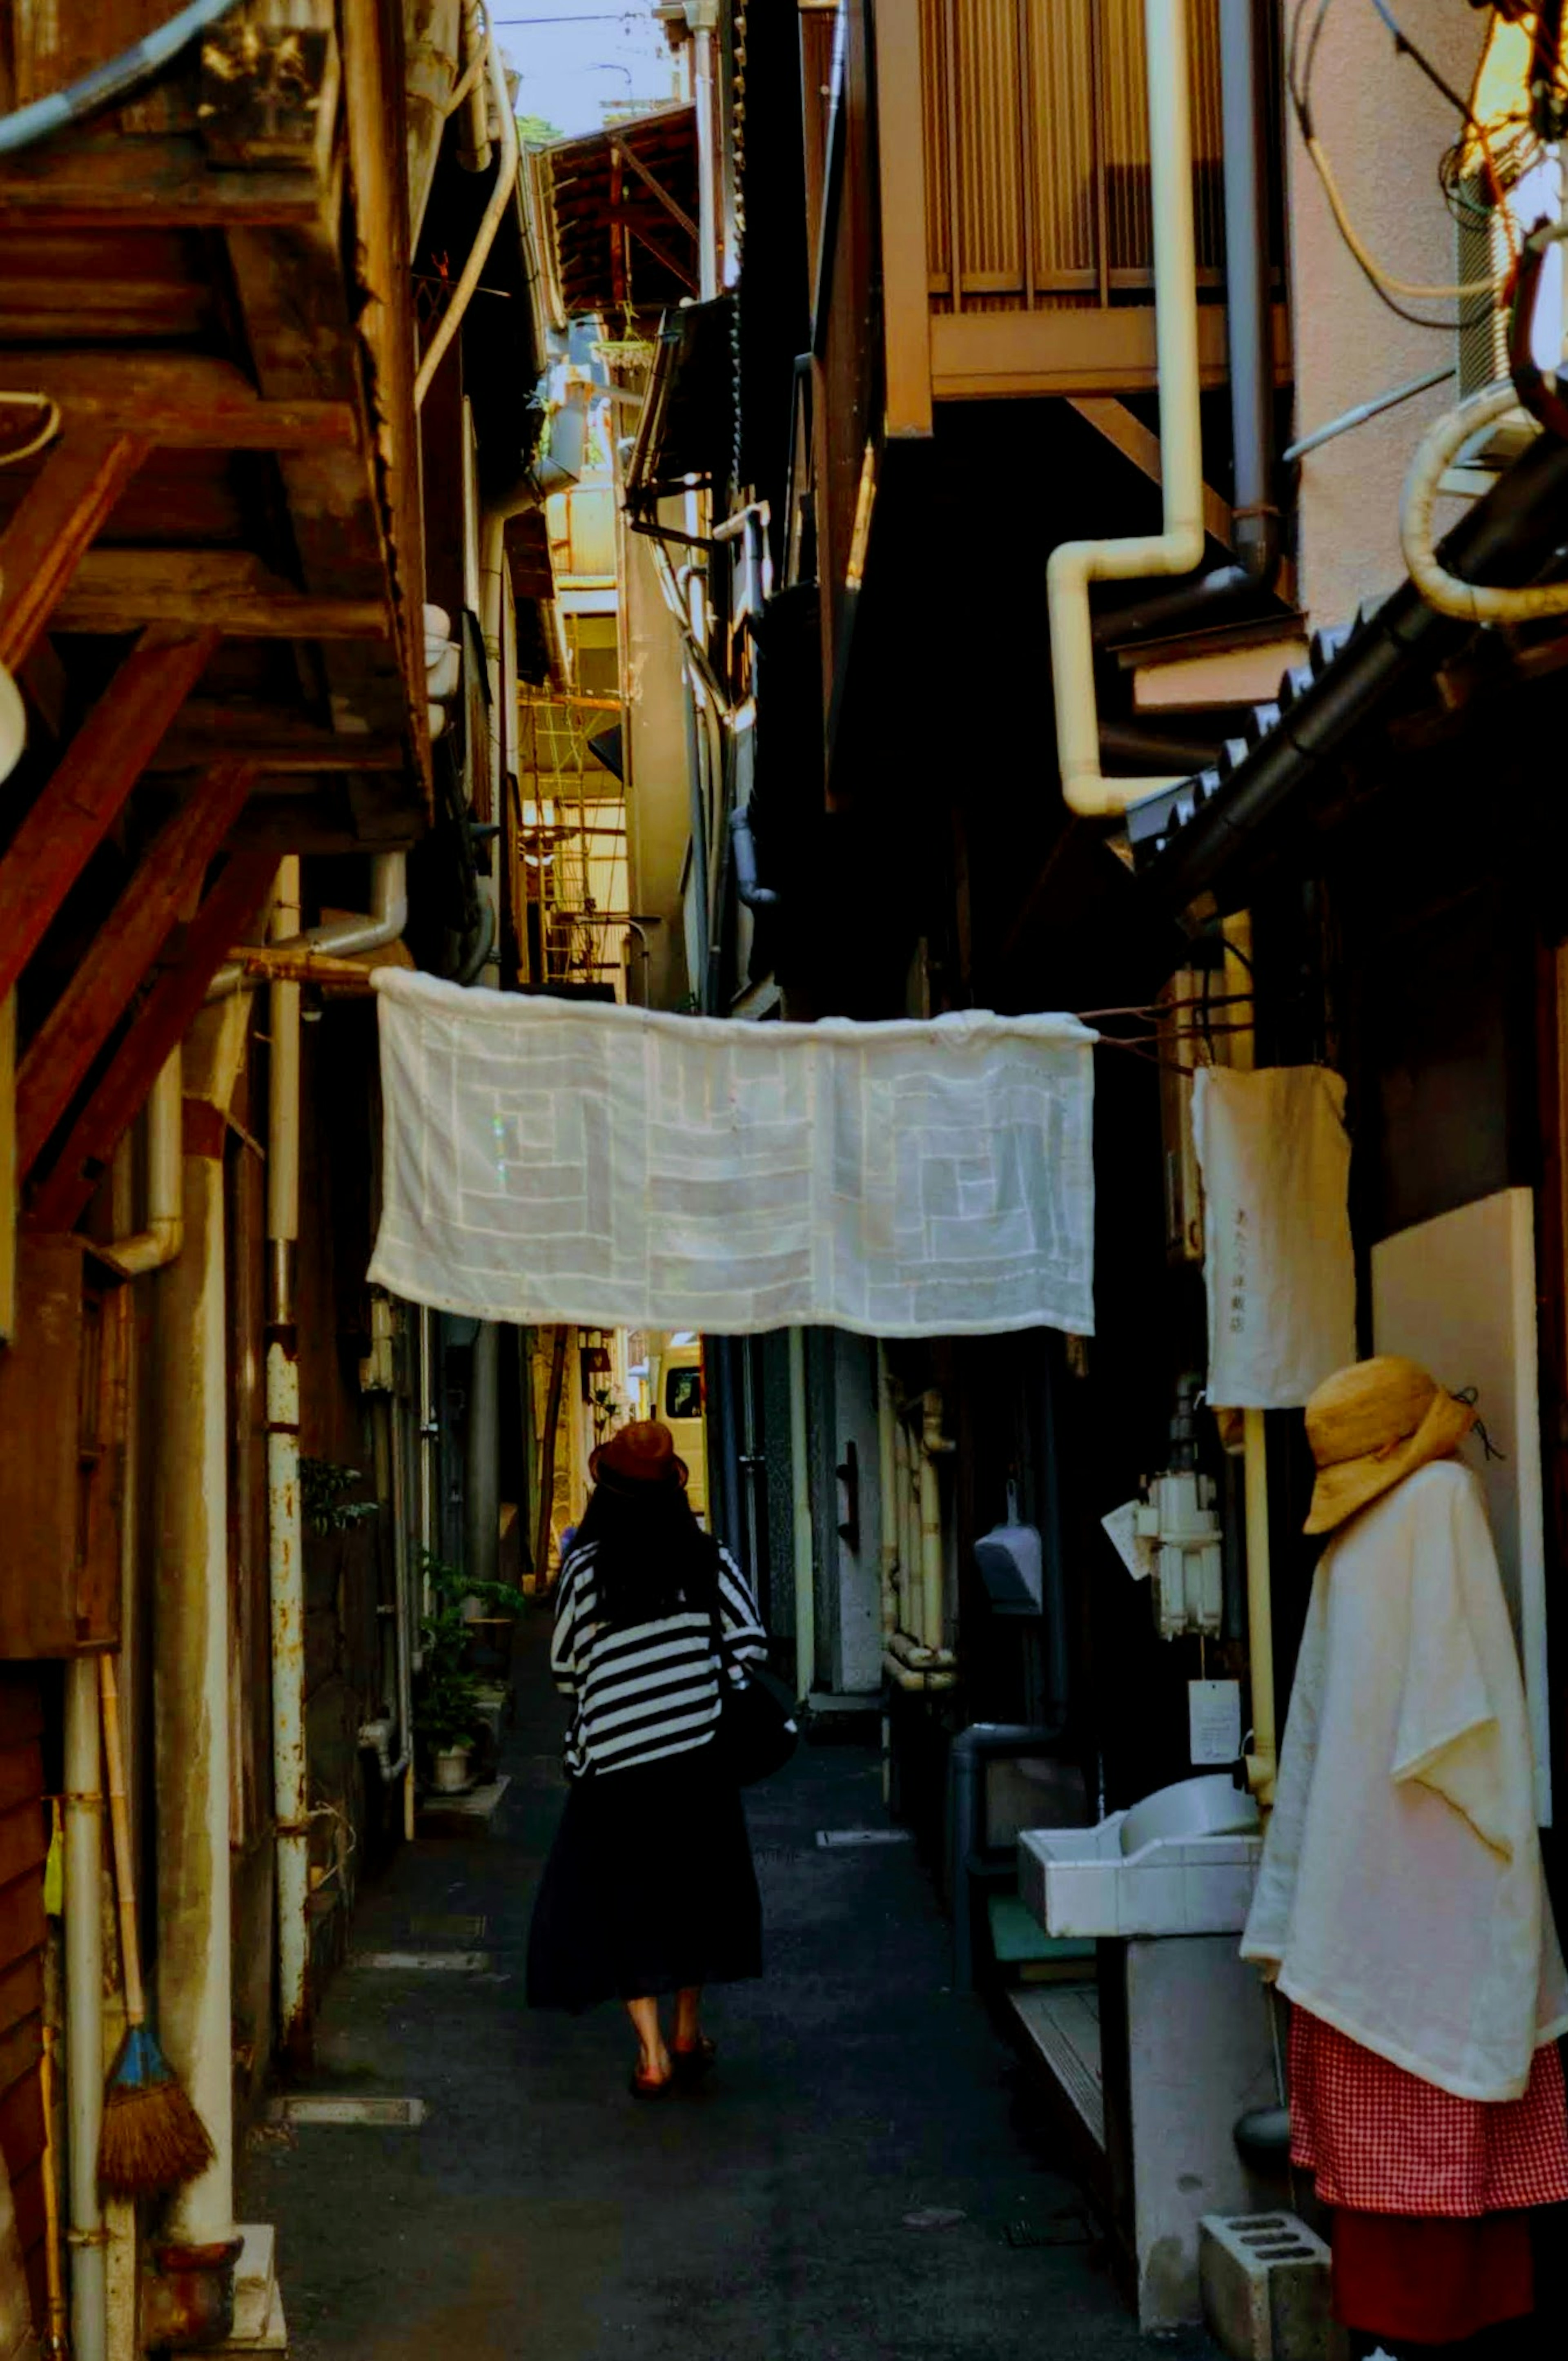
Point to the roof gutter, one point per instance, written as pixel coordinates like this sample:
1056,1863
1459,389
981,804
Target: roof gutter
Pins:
1507,538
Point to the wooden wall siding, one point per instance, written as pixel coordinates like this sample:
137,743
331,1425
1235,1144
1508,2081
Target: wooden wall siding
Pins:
23,1935
1038,152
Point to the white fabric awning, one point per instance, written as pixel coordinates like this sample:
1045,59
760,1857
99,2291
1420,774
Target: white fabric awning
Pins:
556,1160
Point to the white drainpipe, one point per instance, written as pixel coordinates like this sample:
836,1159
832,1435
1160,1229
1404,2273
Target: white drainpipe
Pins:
149,1249
800,1518
285,1540
1179,547
702,16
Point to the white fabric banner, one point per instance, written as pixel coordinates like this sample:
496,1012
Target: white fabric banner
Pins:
1277,1259
550,1159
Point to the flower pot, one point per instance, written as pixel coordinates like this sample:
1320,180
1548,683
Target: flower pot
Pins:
449,1769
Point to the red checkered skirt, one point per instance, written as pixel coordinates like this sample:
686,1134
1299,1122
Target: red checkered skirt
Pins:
1382,2141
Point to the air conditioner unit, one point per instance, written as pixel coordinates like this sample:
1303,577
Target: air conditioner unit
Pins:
1487,234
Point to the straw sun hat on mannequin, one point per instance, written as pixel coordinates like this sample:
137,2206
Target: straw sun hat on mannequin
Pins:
1372,1425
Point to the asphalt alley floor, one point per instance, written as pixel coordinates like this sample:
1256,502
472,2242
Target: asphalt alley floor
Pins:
868,2173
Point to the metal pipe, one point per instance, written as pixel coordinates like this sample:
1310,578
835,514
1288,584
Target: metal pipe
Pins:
473,150
191,1663
800,1520
484,237
149,1249
1262,1759
1179,546
483,1441
905,1677
285,1537
744,845
933,1572
887,1493
702,16
84,1815
334,938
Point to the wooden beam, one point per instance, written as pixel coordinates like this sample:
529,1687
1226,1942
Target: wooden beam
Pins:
187,401
61,512
273,740
97,181
678,269
156,1030
1132,439
87,787
230,590
167,883
901,165
621,152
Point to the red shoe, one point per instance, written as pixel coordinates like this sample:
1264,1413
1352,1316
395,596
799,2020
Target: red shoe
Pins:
689,2066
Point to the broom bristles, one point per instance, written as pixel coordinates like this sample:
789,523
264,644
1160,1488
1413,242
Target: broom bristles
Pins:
153,2137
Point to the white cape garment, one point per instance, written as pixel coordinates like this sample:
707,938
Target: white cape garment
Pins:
1401,1893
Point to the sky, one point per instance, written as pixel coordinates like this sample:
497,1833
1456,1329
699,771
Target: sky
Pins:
577,56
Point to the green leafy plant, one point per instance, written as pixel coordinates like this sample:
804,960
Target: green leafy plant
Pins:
322,1487
446,1695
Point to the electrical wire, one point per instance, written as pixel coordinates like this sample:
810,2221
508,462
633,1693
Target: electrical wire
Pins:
28,124
45,434
1299,66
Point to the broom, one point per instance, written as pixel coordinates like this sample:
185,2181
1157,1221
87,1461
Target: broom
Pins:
153,2137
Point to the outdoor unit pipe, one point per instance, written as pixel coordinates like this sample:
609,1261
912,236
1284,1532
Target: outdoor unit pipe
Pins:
1474,602
83,1814
149,1249
904,1676
800,1522
1179,547
285,1539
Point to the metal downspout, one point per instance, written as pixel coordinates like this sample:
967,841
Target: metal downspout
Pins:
190,1636
482,1488
285,1539
800,1522
84,1818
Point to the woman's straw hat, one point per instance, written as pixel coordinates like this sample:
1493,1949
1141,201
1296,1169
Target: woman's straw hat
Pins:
1372,1425
639,1454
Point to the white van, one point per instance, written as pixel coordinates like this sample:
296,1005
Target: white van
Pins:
680,1405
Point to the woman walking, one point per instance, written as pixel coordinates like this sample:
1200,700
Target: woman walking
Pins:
648,1890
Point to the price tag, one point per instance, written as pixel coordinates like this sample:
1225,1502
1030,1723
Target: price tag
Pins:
1214,1720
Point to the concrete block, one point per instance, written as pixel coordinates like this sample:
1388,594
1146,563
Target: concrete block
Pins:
1266,2286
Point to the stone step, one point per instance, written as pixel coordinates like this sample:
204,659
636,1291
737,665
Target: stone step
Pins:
271,2336
255,2280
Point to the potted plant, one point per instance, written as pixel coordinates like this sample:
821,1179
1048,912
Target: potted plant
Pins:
452,1709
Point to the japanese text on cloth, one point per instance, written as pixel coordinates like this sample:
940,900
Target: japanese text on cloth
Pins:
1277,1259
551,1161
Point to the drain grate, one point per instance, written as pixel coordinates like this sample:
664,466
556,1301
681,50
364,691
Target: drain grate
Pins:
832,1838
403,1964
319,2107
461,1930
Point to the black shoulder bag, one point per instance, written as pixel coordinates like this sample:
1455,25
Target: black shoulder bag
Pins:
756,1733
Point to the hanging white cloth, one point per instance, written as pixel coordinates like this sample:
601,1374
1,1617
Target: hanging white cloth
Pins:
551,1159
1401,1894
1277,1259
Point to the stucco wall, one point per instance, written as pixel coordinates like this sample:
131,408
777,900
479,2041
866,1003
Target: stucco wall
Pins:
1385,128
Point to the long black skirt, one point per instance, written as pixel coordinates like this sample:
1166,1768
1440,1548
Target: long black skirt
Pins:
649,1888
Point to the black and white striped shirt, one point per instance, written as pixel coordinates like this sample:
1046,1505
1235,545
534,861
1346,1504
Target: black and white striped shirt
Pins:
643,1690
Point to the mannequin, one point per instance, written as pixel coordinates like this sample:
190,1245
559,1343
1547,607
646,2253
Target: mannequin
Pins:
1400,1906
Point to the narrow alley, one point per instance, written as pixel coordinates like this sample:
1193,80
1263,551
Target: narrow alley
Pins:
867,2174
